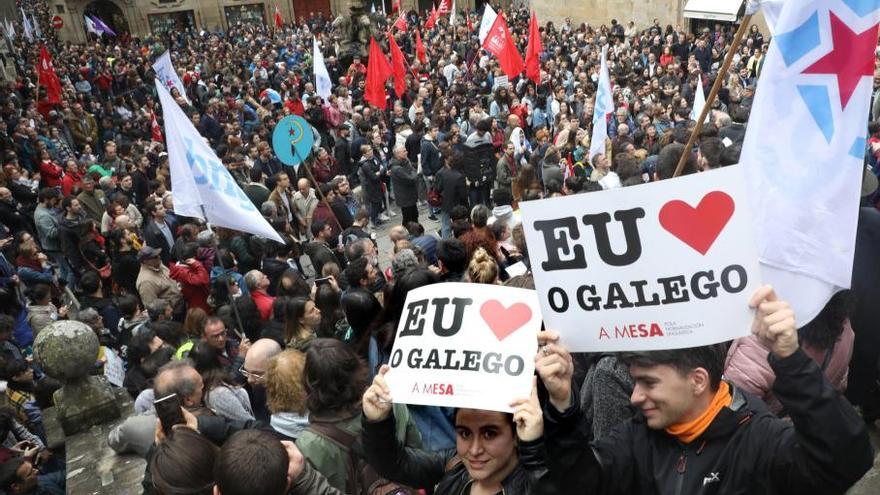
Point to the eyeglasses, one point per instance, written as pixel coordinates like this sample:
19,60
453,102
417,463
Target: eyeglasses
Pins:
251,374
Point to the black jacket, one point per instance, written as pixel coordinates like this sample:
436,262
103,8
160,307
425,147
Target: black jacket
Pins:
154,238
403,182
431,162
451,184
370,173
746,450
422,468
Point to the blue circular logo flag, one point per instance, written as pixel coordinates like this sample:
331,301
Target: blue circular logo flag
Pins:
292,140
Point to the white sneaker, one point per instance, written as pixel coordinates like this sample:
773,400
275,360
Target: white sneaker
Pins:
392,213
383,217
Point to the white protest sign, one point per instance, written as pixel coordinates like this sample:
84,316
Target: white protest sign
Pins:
465,345
665,265
114,370
501,81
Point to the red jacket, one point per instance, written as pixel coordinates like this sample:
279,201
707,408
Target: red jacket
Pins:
69,182
264,303
50,173
195,285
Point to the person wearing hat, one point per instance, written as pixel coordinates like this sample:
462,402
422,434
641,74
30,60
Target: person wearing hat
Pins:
154,282
91,199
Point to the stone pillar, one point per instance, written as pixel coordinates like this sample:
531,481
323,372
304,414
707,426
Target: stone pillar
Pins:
66,350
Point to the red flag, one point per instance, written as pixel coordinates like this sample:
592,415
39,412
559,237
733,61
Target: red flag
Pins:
420,48
397,65
470,23
400,23
443,8
378,71
155,130
48,77
432,19
279,22
395,5
499,43
533,52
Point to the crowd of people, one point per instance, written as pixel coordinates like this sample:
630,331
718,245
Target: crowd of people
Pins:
277,351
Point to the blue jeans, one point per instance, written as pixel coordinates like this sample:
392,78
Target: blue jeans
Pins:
445,225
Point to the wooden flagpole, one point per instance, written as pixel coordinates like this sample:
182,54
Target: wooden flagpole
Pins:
719,80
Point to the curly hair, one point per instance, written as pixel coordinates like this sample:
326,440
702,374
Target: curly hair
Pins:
285,386
335,377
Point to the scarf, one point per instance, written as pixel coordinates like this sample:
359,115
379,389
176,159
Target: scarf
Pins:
688,432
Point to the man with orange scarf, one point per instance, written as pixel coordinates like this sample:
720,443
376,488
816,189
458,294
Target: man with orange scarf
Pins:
696,433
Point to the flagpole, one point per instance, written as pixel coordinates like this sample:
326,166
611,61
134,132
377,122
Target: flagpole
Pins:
317,187
216,245
716,86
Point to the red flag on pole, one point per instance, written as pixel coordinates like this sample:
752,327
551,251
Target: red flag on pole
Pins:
533,52
443,8
279,22
499,43
398,65
400,23
470,23
420,48
378,71
155,130
432,19
48,77
395,5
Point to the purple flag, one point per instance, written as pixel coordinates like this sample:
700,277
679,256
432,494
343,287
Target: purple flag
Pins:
101,26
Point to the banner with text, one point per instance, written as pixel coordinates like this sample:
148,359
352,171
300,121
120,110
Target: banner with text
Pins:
665,265
465,345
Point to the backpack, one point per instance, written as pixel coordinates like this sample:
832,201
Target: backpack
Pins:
361,478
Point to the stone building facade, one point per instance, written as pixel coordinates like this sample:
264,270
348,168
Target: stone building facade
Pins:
143,17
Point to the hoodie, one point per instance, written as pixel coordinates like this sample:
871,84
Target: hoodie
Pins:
289,424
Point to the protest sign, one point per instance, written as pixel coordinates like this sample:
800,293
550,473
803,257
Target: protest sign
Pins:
465,345
114,369
658,266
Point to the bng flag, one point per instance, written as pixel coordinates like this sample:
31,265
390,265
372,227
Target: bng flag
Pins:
804,146
198,178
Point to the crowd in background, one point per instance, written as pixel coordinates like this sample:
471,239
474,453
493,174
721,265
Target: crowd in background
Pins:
248,331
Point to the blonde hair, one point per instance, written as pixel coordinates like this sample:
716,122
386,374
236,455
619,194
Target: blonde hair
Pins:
285,385
482,268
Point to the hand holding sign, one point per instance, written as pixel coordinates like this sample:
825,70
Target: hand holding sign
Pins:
528,416
377,399
555,367
774,323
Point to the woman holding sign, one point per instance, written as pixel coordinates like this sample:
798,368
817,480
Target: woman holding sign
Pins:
495,452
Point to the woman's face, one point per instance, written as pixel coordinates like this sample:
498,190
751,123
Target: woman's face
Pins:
486,444
312,316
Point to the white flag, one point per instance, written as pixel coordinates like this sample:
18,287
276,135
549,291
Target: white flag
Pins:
90,26
699,100
323,84
813,97
166,73
452,15
10,29
603,106
26,25
199,179
36,25
489,16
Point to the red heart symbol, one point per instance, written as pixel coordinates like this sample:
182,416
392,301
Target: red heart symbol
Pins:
504,321
698,227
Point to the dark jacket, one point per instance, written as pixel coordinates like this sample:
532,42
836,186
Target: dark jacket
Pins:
403,182
154,238
479,160
416,467
431,163
745,450
69,232
451,184
320,254
370,173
